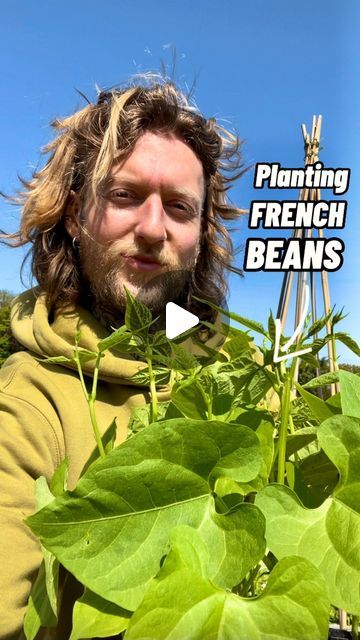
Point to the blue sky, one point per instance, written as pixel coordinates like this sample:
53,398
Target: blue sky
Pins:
262,67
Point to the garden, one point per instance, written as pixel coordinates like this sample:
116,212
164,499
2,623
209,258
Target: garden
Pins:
231,511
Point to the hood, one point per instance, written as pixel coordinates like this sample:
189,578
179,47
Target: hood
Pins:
32,328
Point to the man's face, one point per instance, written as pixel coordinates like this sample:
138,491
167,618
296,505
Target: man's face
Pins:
150,207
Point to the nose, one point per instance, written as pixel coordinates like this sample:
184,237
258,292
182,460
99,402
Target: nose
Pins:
150,225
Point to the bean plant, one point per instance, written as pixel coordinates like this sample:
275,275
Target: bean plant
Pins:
232,511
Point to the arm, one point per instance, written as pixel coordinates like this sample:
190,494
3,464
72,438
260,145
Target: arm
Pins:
29,447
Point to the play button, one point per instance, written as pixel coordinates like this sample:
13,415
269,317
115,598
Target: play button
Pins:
178,320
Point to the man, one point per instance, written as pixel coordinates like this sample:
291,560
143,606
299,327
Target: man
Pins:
133,194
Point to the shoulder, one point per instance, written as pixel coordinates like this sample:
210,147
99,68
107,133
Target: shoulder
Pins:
21,363
23,372
26,407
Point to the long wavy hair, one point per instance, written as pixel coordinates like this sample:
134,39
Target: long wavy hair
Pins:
81,156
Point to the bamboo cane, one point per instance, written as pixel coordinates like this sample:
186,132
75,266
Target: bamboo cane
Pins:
312,147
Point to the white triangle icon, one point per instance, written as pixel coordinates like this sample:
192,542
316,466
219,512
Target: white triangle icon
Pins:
178,320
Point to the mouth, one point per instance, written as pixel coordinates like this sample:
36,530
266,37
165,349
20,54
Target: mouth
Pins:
142,263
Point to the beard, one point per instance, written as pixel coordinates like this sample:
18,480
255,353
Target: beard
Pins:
105,272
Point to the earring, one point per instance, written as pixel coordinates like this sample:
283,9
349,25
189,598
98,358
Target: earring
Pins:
74,243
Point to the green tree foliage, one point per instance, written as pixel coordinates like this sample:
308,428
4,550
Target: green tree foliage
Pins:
353,368
8,344
307,372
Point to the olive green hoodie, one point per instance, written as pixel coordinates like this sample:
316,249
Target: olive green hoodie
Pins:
43,418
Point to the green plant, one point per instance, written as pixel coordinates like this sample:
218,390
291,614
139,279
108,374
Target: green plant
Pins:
8,344
217,518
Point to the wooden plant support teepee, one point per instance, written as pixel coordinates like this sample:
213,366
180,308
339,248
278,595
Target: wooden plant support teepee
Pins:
312,147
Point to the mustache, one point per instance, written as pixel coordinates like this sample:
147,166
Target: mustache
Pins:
116,249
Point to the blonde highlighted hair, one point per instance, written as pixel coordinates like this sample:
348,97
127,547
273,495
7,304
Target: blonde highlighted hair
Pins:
81,156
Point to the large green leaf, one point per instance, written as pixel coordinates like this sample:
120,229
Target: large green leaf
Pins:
329,536
320,409
113,530
318,476
226,485
108,440
58,483
252,418
299,439
309,358
226,386
348,342
350,393
238,345
235,542
339,437
258,384
335,401
39,612
141,416
316,345
42,604
190,398
161,375
232,380
178,359
94,616
172,412
324,379
183,604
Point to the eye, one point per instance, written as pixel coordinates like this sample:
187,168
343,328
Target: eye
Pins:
122,197
121,194
183,208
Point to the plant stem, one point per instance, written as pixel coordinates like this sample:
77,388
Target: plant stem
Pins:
355,627
81,376
285,413
285,399
335,388
207,399
95,427
209,403
292,431
278,380
91,398
153,395
246,587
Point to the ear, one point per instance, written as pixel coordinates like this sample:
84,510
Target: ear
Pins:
71,216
